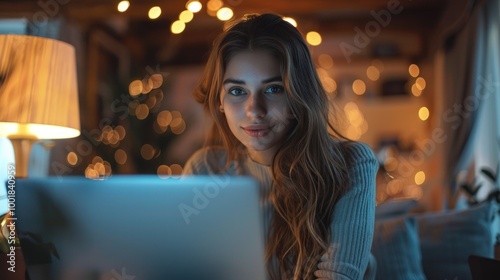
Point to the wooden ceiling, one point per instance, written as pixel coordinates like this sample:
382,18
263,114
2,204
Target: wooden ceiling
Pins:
154,39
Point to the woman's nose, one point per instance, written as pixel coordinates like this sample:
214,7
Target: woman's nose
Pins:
255,107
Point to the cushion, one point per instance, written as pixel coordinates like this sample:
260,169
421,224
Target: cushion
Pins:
395,207
396,249
448,238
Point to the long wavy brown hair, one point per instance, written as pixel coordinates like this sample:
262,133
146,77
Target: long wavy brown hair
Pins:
309,170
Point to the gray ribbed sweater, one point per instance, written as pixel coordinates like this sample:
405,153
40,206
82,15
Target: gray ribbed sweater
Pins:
352,225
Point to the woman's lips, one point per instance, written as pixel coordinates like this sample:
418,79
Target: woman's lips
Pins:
256,130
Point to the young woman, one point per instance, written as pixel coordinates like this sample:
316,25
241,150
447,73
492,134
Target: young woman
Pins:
271,121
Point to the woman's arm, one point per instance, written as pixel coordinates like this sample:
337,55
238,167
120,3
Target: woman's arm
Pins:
352,221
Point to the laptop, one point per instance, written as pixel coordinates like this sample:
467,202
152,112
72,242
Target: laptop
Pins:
141,227
483,268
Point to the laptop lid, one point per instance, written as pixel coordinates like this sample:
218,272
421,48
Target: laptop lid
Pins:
483,268
141,227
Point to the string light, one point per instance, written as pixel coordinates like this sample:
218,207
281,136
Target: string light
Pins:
194,6
123,6
225,13
359,87
177,27
154,12
423,113
186,16
313,38
413,70
420,82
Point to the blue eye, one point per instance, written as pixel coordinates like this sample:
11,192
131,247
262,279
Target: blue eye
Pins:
275,89
236,91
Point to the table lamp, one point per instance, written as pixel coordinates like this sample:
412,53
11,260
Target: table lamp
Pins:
38,93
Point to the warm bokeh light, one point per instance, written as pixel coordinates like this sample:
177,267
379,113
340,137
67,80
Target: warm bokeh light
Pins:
178,126
164,118
121,132
194,6
329,84
123,6
186,16
147,151
355,117
154,12
313,38
156,80
135,88
420,178
90,173
176,169
420,82
415,91
372,73
147,85
225,13
72,158
413,70
177,27
290,20
120,156
322,73
98,168
164,171
357,123
176,114
423,113
325,61
214,5
113,137
350,106
142,111
104,137
359,87
97,159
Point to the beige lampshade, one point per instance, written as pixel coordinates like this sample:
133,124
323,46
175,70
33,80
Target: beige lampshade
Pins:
38,88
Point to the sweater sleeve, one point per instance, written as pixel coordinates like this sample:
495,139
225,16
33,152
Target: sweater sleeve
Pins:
353,220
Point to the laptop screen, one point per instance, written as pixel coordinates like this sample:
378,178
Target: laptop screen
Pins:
141,227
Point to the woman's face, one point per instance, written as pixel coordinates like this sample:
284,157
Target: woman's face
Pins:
254,102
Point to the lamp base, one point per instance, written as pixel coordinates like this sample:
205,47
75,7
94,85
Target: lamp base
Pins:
22,148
